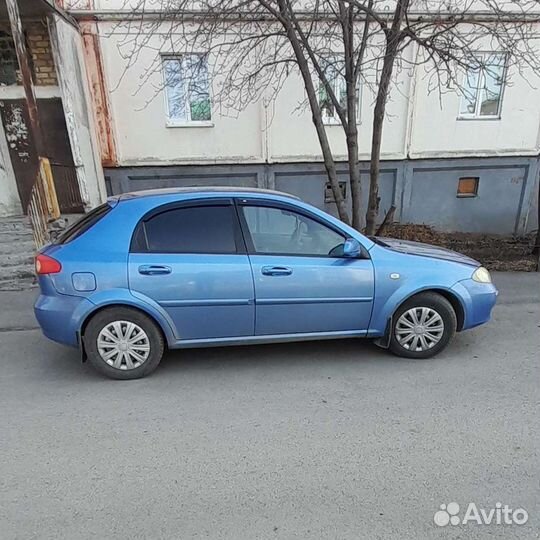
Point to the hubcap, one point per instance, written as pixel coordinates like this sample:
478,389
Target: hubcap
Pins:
419,329
123,345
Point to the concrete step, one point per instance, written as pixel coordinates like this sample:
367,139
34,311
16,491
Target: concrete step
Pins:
15,224
17,281
5,235
16,259
17,251
17,271
18,246
23,240
14,236
18,284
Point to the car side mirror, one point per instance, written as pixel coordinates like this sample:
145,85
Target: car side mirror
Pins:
351,248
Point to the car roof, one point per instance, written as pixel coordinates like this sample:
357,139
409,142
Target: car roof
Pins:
213,190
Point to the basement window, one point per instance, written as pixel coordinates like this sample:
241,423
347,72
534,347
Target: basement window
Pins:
468,186
329,194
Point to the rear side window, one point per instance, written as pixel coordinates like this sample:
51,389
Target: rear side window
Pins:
85,223
198,229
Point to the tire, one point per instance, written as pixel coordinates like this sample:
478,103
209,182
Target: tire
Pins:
443,326
112,333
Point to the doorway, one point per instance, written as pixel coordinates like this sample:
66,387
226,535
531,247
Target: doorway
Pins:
23,154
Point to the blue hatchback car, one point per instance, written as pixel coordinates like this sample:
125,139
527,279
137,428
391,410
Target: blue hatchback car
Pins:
197,267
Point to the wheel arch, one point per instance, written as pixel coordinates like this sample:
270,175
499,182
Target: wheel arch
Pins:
384,340
167,335
456,304
454,300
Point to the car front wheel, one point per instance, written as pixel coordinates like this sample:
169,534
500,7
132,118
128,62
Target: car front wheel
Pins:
123,343
423,326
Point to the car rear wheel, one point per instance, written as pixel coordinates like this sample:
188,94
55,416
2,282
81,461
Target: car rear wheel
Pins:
123,343
423,326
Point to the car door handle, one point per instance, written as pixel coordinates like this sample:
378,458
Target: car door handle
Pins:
154,269
276,271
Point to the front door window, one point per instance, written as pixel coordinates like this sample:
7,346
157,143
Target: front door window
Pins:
282,232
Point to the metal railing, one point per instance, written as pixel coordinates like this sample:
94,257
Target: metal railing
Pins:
43,205
67,188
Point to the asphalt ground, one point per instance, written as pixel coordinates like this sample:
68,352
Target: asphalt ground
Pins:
318,440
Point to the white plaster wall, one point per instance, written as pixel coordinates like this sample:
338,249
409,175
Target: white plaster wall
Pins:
419,124
140,121
437,131
292,136
143,137
9,196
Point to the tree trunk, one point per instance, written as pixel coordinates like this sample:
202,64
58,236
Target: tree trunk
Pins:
316,113
386,221
351,129
392,45
376,140
329,163
536,249
354,176
330,166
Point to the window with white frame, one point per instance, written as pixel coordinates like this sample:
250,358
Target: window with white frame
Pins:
483,87
333,69
187,89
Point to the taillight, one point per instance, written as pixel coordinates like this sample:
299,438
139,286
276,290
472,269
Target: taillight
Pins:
47,265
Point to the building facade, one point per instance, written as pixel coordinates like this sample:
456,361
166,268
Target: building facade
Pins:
457,164
52,47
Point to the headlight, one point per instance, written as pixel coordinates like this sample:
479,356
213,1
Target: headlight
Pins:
481,275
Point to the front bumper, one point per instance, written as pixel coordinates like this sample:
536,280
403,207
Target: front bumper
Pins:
57,316
478,300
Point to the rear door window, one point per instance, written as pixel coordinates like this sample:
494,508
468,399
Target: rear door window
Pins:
197,229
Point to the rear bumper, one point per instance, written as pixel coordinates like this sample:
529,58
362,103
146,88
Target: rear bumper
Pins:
478,301
57,316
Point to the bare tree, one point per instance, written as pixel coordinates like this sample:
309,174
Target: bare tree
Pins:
253,46
448,37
